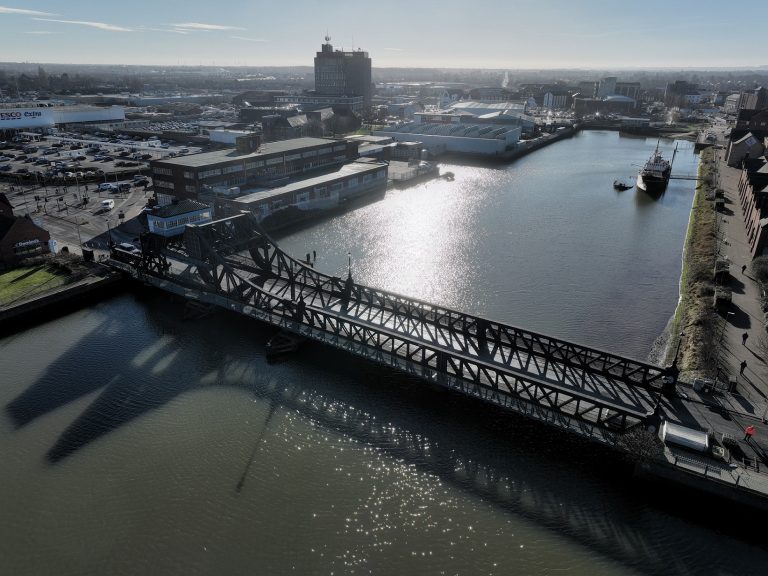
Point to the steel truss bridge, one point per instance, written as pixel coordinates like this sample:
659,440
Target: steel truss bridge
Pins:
232,263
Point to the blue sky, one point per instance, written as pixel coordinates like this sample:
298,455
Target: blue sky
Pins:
451,33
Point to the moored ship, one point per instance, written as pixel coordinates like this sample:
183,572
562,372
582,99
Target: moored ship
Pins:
654,176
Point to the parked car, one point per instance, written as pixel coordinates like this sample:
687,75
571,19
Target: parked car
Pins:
129,248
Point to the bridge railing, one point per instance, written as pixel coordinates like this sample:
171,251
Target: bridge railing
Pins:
468,333
394,348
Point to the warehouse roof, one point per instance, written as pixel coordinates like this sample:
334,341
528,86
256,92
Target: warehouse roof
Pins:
218,156
357,167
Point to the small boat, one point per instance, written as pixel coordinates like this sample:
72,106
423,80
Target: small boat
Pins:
281,344
617,185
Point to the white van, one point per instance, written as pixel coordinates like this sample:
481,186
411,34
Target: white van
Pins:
107,204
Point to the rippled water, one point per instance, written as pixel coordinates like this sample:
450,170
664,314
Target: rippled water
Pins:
544,243
134,442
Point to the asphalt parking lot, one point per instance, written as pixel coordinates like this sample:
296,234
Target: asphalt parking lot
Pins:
72,221
57,181
64,167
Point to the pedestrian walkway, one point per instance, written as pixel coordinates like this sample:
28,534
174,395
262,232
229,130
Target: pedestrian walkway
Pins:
742,354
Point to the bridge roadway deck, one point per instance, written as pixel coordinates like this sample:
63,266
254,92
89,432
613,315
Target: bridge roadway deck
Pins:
521,358
518,351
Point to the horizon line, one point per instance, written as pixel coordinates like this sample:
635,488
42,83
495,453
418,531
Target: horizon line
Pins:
521,68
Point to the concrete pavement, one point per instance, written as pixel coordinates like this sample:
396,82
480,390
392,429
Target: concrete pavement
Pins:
745,317
88,224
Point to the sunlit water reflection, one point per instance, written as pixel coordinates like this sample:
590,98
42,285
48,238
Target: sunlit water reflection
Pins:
137,443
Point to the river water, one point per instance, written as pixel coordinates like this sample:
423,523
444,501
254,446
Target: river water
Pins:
135,442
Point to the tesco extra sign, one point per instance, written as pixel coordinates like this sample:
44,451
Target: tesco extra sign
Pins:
20,115
25,118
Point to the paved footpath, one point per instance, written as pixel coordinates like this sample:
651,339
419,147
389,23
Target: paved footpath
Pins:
746,315
728,414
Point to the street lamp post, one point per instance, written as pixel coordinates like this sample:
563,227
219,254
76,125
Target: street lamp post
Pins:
109,232
79,238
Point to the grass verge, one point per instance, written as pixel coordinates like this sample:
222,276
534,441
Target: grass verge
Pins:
24,282
694,315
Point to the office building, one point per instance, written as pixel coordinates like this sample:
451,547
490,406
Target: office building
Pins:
343,73
223,172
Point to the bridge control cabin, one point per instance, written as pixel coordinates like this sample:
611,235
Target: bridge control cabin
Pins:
171,219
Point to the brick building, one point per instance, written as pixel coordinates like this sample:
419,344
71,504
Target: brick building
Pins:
21,238
753,195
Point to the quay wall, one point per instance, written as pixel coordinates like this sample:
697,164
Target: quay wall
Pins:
60,301
669,474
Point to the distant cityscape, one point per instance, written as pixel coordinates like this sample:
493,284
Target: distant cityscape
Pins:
284,143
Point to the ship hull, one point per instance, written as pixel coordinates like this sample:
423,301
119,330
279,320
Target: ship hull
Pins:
652,184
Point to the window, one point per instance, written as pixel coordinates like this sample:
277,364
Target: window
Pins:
341,148
209,173
254,165
311,154
232,169
189,175
163,184
352,182
163,171
273,161
337,186
190,188
292,157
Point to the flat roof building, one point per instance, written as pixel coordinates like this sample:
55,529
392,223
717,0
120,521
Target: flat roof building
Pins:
221,171
297,201
464,138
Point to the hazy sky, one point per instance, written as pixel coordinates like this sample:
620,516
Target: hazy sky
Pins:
409,33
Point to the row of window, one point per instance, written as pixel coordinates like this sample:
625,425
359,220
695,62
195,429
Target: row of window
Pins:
162,171
208,173
182,220
162,183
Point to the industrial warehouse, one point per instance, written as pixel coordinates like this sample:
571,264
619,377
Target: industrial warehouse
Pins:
47,119
292,177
